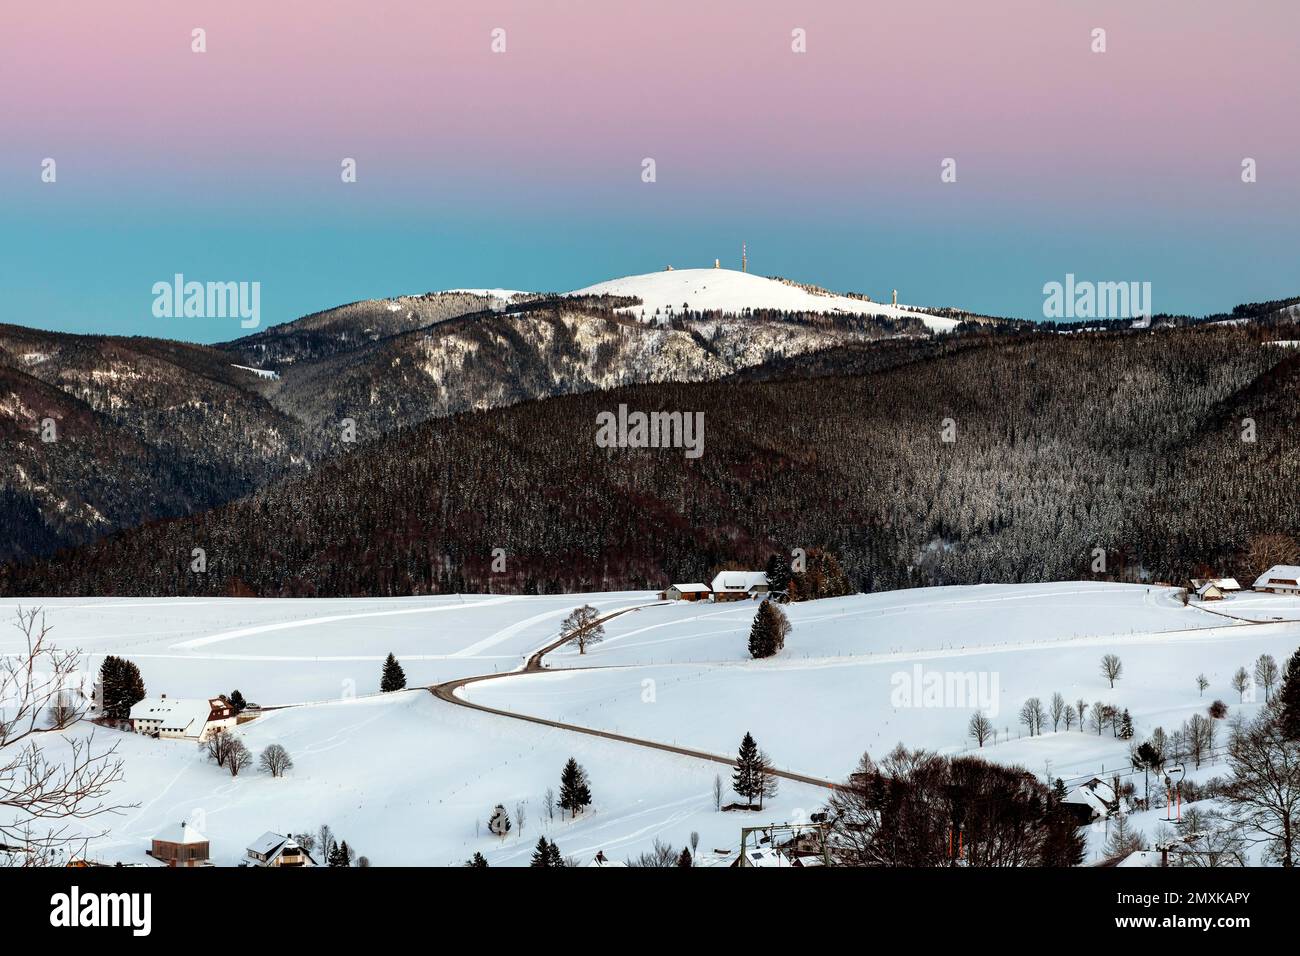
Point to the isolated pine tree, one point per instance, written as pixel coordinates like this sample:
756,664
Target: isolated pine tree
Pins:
767,633
542,853
121,687
747,780
1126,726
1288,698
394,677
478,861
685,858
237,701
575,793
553,855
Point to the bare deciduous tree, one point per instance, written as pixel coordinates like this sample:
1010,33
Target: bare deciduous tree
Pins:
717,791
1081,708
1202,682
1198,738
583,627
43,797
1264,796
980,727
1032,715
1111,668
1058,711
275,760
238,757
1070,716
218,745
1267,675
1241,683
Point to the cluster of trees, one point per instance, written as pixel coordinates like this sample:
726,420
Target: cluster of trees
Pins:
226,749
768,631
916,808
547,854
817,574
333,852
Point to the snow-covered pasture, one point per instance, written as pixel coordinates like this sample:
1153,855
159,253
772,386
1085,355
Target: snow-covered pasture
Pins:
409,779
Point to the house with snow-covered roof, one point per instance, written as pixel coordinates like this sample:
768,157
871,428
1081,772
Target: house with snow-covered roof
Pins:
695,591
180,845
1090,801
739,585
1226,585
276,850
185,718
1280,579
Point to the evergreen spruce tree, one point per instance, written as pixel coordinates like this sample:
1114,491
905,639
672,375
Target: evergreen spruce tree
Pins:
1059,793
575,792
121,687
542,853
747,780
685,858
767,633
1126,726
1288,699
478,861
394,677
778,573
237,701
553,855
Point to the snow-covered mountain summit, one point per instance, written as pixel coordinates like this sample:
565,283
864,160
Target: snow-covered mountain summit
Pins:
732,292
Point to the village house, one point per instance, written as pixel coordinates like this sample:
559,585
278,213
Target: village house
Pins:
276,850
1090,801
180,845
686,592
189,719
1279,579
739,585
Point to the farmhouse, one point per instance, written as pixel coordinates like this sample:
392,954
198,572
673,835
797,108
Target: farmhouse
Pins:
275,850
687,592
180,845
190,719
739,585
1090,801
1280,579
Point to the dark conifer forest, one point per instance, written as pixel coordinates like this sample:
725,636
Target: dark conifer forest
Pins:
1163,453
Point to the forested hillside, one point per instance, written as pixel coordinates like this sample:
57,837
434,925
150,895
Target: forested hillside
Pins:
1130,442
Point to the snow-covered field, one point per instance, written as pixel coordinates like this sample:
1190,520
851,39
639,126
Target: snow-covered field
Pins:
410,779
732,292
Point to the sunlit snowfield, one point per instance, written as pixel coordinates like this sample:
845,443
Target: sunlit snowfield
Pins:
409,779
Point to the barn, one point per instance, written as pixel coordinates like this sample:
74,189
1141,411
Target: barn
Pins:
694,591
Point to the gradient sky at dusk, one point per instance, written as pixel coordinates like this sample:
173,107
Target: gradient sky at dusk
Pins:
522,169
